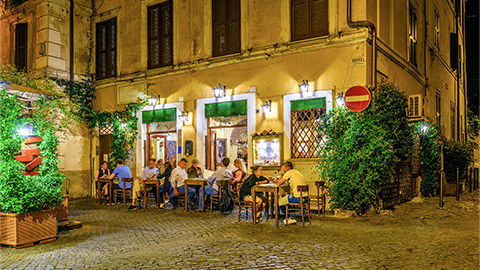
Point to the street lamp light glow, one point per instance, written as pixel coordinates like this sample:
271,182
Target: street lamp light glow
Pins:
152,101
340,100
25,131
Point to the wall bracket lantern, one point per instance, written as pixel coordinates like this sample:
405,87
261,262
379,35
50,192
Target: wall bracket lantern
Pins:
219,91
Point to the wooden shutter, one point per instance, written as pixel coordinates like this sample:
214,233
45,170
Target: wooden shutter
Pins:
160,35
454,51
309,18
226,27
106,49
21,46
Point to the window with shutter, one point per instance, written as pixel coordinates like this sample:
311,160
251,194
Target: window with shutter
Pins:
160,35
453,51
412,34
21,46
226,27
106,49
309,18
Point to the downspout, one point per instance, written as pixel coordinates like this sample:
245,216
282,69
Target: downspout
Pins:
371,27
457,9
425,46
71,41
464,78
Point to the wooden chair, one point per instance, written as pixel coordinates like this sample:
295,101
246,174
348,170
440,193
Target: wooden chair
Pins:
146,200
243,205
319,198
301,207
124,191
215,199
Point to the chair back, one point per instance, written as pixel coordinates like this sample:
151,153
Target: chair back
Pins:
302,189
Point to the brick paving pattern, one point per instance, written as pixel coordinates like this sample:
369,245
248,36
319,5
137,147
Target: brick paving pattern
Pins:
413,236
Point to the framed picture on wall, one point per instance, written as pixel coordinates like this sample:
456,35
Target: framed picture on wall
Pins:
221,150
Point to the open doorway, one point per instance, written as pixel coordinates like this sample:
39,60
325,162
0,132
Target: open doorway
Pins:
161,141
226,137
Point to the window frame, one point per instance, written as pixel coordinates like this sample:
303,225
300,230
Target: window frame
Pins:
160,36
412,35
226,23
20,49
293,37
436,28
106,23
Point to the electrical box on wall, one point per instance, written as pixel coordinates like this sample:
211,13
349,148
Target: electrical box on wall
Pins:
188,148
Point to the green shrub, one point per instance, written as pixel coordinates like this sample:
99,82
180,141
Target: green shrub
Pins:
457,154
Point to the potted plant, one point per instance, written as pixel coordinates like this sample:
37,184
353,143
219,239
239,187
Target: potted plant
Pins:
27,201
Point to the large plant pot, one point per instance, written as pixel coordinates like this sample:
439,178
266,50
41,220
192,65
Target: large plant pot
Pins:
61,211
24,230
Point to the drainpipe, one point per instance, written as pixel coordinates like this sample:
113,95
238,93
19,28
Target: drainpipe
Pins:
371,27
71,41
457,11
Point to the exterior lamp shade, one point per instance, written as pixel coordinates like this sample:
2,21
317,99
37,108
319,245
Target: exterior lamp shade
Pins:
219,91
267,107
304,87
152,101
340,100
124,125
183,117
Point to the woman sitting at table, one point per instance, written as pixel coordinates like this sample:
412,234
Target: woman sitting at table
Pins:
239,173
195,171
103,173
165,187
246,190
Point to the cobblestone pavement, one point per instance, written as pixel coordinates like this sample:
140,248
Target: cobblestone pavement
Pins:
412,236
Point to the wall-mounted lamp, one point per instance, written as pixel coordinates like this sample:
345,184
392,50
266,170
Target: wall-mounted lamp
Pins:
43,49
124,125
267,107
340,100
183,117
424,128
26,131
152,101
304,87
219,91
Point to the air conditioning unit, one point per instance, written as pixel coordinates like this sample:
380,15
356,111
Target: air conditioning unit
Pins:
415,106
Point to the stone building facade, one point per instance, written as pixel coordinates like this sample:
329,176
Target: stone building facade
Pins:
258,52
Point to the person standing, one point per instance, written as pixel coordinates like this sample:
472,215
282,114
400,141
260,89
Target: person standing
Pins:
103,173
122,171
220,174
177,180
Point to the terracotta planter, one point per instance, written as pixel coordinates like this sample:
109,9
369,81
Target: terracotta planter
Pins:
61,211
24,230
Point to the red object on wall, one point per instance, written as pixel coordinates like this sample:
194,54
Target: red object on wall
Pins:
357,98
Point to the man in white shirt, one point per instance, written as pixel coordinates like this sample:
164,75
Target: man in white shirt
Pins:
177,179
220,174
149,172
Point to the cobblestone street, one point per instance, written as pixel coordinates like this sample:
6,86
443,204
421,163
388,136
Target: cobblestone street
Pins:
412,236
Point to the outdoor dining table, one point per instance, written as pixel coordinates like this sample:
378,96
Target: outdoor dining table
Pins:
99,192
155,182
269,188
195,182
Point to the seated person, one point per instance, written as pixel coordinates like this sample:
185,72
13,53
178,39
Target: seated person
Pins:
177,180
239,173
220,174
103,173
122,171
294,178
149,172
246,190
195,171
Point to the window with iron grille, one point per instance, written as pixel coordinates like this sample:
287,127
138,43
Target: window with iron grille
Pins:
412,36
160,35
436,35
309,18
106,49
226,27
305,137
21,46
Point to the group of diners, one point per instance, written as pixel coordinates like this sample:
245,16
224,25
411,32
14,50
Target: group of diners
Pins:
172,182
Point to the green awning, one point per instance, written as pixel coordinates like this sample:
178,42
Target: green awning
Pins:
165,115
223,109
307,104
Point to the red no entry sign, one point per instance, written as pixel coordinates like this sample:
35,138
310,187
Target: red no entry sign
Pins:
357,98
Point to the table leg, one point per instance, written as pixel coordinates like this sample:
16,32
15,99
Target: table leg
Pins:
276,206
110,195
186,197
254,206
157,198
203,196
145,204
98,195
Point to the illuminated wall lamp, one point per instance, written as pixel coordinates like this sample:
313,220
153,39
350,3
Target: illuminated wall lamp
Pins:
124,125
340,100
267,107
183,117
305,88
219,91
152,101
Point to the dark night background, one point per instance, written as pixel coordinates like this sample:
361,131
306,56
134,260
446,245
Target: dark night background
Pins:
472,58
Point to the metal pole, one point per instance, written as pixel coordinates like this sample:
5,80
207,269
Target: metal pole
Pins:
458,184
442,174
470,180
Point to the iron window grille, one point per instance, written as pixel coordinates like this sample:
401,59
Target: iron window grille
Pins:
306,139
